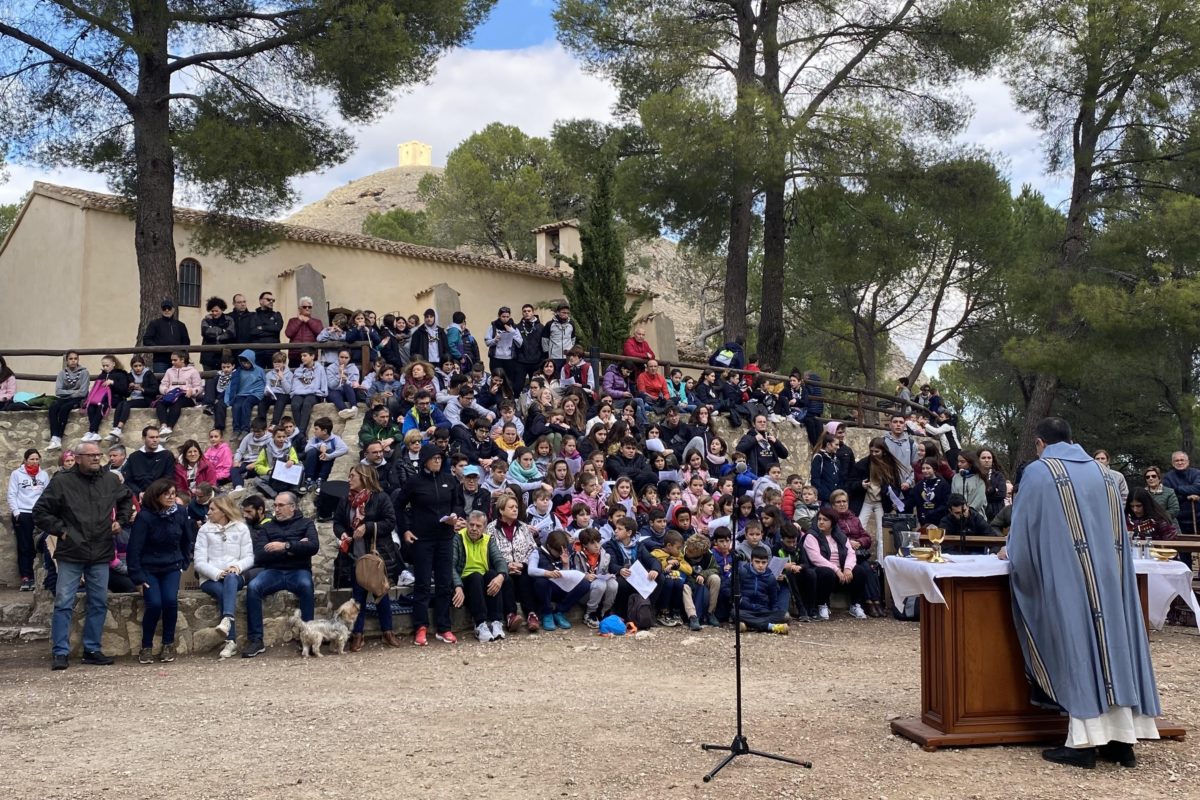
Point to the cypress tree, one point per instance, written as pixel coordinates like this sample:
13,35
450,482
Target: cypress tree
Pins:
597,288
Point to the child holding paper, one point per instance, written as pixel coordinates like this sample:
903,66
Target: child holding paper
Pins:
277,451
723,558
547,564
706,586
592,560
623,553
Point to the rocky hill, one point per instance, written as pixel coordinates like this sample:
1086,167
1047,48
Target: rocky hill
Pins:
346,208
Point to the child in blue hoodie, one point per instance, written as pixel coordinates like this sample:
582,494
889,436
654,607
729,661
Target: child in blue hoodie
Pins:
244,392
759,592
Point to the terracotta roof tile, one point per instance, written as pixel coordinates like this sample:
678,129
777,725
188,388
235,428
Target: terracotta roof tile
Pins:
297,233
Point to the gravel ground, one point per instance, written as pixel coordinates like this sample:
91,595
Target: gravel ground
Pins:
557,715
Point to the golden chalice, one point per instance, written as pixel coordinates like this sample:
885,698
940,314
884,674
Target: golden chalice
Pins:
936,535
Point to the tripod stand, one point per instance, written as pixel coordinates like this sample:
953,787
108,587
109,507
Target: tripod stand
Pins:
740,746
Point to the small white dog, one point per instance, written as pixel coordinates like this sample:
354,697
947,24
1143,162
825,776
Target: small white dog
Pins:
335,630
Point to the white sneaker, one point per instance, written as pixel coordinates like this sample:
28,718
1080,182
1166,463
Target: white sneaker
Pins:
225,624
90,437
230,649
797,423
823,612
237,492
483,633
775,418
55,443
497,630
857,612
164,431
114,434
346,413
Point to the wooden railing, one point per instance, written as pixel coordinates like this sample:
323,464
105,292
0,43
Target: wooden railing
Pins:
865,405
191,349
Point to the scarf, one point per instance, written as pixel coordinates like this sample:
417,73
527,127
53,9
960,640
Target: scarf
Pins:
32,470
167,512
276,453
358,507
523,475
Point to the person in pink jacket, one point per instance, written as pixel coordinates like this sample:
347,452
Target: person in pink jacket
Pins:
178,389
220,456
832,556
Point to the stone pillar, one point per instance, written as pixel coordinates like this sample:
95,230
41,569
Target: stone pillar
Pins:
661,333
445,302
310,283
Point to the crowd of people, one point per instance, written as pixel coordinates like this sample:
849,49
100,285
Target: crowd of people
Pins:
519,485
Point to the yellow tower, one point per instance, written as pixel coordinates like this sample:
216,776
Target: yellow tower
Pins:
415,154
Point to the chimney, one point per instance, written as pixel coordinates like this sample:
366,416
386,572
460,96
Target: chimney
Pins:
555,238
415,154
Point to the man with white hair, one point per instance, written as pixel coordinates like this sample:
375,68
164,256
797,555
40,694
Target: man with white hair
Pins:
302,329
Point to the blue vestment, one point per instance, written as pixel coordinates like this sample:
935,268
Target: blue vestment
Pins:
1075,598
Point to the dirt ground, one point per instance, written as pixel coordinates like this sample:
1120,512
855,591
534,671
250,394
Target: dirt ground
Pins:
561,715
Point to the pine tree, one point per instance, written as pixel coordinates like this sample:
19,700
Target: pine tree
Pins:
597,288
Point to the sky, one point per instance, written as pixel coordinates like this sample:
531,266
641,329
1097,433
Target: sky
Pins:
515,72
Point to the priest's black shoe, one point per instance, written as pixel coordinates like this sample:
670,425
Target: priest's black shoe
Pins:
1119,753
1084,757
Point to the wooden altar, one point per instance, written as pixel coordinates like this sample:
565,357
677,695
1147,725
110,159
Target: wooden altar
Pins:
973,685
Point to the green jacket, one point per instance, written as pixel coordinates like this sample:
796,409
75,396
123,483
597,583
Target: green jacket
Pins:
373,432
496,560
1168,500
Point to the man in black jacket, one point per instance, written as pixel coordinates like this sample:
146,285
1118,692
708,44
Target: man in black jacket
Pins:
962,520
529,354
264,327
627,462
166,331
284,548
762,449
83,508
148,463
429,509
428,342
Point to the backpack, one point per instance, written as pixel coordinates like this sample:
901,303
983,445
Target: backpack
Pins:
724,357
640,612
911,612
370,572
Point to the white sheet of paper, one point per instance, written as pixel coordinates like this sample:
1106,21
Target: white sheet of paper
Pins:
639,579
291,475
776,565
896,501
569,580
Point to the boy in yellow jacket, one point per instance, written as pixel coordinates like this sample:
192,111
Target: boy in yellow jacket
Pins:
677,594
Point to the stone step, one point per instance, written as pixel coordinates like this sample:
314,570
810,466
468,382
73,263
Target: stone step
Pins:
22,633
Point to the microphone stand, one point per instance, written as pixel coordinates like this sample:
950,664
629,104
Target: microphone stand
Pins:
740,746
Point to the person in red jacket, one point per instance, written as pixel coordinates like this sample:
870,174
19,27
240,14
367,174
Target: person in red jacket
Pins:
636,346
302,329
652,386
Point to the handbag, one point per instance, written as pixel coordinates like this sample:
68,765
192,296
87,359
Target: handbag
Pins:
170,398
370,572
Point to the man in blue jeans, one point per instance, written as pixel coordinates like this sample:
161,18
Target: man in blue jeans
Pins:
283,548
83,508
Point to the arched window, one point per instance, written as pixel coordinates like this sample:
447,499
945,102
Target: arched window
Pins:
189,283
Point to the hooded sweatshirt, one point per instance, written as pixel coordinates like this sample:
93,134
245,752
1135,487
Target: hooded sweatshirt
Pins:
71,383
250,446
248,379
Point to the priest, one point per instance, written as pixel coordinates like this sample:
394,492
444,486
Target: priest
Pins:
1075,603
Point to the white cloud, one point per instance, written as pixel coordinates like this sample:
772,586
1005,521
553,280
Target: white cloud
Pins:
530,88
1001,128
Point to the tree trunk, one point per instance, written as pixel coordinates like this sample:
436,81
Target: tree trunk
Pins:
154,179
1045,386
741,205
770,319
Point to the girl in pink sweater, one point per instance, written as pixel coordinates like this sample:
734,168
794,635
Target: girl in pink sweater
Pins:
832,556
220,457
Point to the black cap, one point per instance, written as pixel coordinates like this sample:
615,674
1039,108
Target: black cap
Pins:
167,303
428,451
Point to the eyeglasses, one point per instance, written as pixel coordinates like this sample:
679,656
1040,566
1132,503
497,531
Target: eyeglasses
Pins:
268,299
306,306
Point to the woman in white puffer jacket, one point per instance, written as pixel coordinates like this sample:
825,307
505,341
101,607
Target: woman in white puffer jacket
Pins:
224,551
